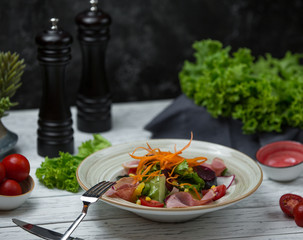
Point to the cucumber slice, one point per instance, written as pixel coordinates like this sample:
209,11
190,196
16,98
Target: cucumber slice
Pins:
162,188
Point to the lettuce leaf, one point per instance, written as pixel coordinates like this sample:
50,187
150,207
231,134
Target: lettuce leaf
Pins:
60,172
181,168
189,176
265,94
97,143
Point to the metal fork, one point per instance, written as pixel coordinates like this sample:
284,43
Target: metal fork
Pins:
90,196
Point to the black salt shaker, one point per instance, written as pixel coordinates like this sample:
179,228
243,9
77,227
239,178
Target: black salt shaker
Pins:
94,97
55,132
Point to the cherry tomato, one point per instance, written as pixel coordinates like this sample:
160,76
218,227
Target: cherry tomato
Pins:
151,203
10,188
2,172
220,191
17,167
288,202
298,214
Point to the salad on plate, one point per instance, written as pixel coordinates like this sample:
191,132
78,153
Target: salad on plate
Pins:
166,179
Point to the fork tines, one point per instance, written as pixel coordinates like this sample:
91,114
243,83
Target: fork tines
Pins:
98,189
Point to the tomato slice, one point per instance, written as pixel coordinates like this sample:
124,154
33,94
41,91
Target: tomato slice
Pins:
220,191
288,202
132,171
298,214
151,203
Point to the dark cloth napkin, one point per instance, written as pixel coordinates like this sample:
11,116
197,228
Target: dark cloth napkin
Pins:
183,116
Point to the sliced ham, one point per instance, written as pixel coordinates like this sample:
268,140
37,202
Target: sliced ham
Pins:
179,200
209,196
217,165
130,164
185,199
124,188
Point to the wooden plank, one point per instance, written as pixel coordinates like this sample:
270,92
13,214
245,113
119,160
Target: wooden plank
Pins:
213,226
235,221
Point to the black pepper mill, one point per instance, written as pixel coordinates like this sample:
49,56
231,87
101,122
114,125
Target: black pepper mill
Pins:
55,132
94,98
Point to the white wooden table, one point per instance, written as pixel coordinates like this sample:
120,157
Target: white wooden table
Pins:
257,217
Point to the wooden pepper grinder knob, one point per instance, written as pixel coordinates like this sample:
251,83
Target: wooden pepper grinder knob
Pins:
55,132
94,98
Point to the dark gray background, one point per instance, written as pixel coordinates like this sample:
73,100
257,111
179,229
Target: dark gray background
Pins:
150,39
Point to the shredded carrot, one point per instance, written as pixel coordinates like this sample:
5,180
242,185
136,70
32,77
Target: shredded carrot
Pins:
166,160
172,178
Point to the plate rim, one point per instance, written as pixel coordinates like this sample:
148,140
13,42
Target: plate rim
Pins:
187,209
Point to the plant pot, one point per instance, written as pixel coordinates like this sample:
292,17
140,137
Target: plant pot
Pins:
8,139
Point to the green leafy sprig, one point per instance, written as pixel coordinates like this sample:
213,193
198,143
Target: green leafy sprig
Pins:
5,105
11,71
60,172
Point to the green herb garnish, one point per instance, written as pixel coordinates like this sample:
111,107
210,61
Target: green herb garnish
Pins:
11,71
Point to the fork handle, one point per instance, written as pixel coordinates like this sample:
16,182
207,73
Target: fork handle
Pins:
75,224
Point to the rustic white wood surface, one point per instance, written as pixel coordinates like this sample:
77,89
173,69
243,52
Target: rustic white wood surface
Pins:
257,217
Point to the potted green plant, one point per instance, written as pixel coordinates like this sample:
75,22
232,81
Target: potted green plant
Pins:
11,71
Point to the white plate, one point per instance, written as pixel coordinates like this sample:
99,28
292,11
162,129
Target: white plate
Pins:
107,164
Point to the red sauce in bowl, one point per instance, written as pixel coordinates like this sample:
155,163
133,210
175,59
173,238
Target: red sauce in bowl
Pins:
281,154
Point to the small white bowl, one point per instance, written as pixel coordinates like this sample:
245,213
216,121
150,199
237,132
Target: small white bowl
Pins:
12,202
282,160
